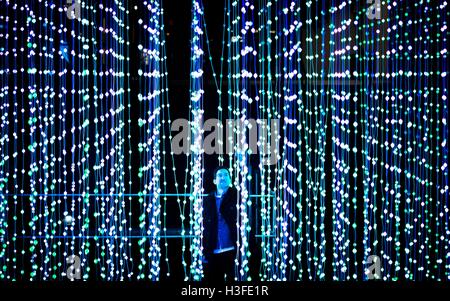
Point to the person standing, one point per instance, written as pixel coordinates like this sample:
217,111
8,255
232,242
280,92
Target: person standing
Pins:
220,229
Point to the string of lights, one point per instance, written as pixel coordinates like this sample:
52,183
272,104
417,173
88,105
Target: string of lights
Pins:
196,164
154,87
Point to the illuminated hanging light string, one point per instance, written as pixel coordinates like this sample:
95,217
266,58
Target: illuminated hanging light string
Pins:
237,136
358,67
166,121
5,253
390,160
264,216
398,143
109,144
32,119
218,84
427,97
280,204
153,86
279,44
266,111
167,161
369,136
56,209
245,54
374,112
342,96
309,105
14,267
74,57
275,72
195,167
289,50
246,102
65,219
442,215
376,89
37,207
44,181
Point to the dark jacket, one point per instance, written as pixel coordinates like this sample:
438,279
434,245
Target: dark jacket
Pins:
210,220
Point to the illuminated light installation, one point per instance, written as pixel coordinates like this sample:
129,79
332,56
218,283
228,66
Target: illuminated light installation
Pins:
354,67
360,89
270,78
314,129
404,134
5,254
154,87
109,144
240,57
195,167
342,95
67,204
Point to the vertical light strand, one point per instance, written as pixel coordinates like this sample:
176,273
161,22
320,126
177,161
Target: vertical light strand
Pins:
369,140
152,85
264,206
243,98
196,168
340,107
442,214
314,110
5,73
290,97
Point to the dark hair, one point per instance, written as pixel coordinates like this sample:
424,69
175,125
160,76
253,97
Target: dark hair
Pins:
220,168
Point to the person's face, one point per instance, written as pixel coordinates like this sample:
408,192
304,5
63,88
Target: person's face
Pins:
222,179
